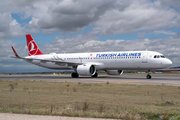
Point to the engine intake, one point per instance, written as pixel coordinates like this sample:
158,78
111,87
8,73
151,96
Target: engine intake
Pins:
114,72
86,70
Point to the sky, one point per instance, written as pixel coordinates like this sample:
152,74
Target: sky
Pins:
71,26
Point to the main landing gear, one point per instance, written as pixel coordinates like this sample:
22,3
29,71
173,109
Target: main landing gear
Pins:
95,75
148,75
74,75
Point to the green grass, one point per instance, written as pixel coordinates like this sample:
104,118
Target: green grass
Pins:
98,100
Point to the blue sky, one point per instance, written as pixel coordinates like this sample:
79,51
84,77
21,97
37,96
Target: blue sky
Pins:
85,26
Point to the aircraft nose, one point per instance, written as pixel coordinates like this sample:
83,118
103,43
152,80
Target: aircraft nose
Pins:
168,63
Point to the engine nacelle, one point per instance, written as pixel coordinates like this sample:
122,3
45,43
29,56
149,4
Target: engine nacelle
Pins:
114,72
86,70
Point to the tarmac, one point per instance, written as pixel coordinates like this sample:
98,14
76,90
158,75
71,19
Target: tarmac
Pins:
173,80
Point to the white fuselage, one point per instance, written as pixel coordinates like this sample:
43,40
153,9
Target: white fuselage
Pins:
124,60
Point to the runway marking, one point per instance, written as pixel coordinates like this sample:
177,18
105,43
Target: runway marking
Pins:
127,81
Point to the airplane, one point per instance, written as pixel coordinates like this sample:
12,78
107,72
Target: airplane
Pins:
87,64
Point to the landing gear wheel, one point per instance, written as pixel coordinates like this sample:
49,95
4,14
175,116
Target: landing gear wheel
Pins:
95,75
148,76
74,75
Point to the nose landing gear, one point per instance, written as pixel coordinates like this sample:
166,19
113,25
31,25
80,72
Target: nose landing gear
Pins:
148,75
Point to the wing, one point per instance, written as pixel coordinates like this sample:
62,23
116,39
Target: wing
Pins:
55,61
45,60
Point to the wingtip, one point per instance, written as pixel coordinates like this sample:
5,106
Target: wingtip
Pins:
15,53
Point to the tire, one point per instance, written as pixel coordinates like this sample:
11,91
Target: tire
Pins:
148,76
74,75
95,75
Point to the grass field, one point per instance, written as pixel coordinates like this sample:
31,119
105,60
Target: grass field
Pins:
98,100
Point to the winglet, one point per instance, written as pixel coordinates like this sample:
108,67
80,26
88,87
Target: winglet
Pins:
15,52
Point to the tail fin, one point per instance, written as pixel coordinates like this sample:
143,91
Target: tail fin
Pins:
32,46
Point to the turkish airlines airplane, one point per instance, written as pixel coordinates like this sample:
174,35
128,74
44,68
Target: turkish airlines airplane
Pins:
87,64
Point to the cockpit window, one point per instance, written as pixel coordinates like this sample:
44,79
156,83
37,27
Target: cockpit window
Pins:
159,56
162,56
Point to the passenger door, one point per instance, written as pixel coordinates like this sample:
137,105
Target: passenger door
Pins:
144,57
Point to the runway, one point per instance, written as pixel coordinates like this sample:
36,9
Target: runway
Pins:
173,80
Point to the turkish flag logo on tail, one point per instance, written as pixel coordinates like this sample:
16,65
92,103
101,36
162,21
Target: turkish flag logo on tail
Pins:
32,46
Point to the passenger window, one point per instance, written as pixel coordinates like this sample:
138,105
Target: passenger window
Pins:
155,56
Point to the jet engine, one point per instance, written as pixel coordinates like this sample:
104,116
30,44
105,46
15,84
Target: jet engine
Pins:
114,72
86,70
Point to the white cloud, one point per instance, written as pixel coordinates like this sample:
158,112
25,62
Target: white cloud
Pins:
9,27
141,36
165,32
70,15
138,15
108,16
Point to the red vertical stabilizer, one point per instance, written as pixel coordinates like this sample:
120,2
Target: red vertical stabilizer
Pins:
32,46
